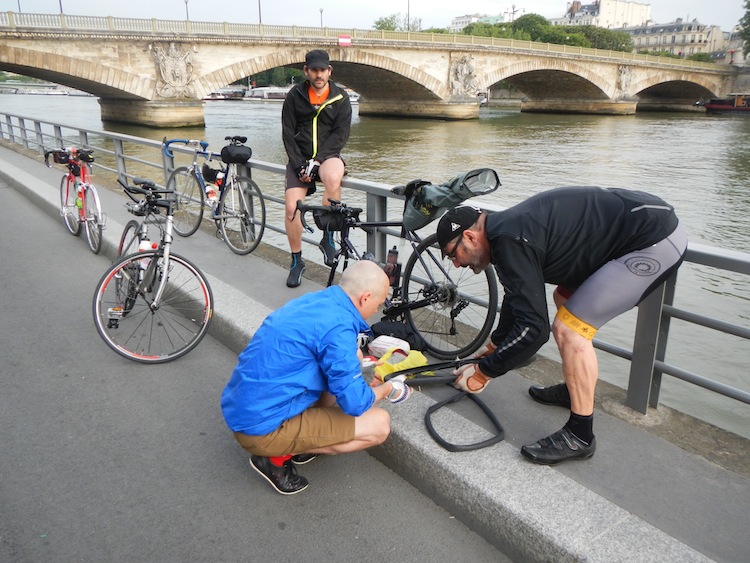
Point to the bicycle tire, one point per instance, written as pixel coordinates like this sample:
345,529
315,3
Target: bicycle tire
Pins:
242,215
93,223
152,336
189,198
130,238
471,297
68,208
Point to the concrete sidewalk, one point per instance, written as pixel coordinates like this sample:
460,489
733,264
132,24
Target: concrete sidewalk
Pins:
640,498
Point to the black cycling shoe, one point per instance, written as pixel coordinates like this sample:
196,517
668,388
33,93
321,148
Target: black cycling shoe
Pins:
328,249
553,395
302,459
561,446
295,272
284,479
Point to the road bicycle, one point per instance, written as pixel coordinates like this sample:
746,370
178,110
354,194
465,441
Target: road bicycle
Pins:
152,305
79,200
452,309
238,208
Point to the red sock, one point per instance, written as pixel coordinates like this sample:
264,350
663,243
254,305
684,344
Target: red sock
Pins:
278,461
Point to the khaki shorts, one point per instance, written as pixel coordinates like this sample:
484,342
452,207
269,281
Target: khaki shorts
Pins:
317,427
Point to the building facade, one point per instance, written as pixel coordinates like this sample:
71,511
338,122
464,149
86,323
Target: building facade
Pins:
610,14
678,37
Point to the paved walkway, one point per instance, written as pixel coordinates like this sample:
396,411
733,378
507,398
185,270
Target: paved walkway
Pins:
641,498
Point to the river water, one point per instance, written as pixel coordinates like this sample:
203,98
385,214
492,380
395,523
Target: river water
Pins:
696,162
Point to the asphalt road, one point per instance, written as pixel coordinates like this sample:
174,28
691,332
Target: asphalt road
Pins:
103,459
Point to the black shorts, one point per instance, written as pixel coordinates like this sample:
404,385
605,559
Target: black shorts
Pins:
292,179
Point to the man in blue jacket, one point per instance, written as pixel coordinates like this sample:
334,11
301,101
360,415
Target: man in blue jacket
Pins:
315,123
298,389
604,249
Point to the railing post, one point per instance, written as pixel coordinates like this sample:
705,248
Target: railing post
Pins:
58,136
9,123
644,350
39,137
24,137
119,148
377,210
167,165
661,345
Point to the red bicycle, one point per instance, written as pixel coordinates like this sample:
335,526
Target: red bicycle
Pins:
79,200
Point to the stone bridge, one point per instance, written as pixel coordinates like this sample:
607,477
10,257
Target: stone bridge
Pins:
156,72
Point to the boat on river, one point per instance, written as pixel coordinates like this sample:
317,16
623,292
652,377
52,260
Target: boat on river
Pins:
733,104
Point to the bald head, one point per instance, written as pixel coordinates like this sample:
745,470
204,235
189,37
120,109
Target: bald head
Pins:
367,285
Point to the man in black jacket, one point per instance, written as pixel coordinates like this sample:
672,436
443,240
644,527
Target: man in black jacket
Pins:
315,121
605,249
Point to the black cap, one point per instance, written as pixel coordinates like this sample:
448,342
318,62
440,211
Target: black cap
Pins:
454,223
317,58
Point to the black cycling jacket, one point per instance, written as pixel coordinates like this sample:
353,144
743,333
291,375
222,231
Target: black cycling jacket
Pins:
308,132
561,237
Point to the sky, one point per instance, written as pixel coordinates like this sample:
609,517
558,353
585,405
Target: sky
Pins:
357,13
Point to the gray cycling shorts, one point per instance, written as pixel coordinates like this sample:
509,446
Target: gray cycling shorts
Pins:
621,284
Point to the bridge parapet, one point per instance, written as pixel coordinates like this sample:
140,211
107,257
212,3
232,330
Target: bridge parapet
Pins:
156,72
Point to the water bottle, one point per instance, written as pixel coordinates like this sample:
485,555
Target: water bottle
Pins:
392,267
219,178
211,196
79,197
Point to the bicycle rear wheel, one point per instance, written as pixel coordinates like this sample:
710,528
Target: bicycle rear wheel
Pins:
94,219
68,207
130,239
459,305
242,215
188,210
129,323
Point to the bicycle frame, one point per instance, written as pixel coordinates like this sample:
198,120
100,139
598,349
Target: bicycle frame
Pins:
199,151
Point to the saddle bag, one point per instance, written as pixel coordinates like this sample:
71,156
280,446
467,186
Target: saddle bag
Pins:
236,154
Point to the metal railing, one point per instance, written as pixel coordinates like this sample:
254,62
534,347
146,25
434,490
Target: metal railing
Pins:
654,313
100,25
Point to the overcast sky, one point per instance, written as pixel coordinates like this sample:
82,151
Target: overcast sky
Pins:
359,14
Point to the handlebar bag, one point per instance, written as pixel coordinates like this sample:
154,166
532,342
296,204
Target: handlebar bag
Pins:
426,202
61,157
328,221
236,154
86,156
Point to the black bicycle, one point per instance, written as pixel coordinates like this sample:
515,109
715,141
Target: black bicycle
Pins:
452,309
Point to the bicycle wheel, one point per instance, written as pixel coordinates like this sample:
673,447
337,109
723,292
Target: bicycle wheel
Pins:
130,239
242,215
68,207
94,219
188,211
136,329
458,306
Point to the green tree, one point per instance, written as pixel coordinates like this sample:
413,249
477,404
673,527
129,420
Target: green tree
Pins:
745,29
398,22
499,30
533,24
601,38
560,36
701,57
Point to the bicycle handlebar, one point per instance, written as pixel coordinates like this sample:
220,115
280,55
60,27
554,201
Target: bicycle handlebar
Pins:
72,152
335,207
188,142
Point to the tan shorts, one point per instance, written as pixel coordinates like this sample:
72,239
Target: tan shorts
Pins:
317,427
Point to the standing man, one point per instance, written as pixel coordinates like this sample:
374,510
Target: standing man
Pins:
298,389
605,249
315,122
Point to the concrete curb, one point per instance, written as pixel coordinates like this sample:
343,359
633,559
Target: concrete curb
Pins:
529,512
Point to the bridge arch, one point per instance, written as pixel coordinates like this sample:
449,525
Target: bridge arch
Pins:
75,72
